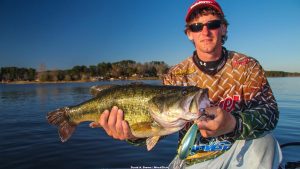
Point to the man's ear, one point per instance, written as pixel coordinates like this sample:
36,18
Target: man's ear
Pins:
223,29
189,35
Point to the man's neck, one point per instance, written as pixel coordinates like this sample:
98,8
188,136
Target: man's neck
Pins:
212,66
209,57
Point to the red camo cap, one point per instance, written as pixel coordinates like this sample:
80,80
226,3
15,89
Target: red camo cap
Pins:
203,3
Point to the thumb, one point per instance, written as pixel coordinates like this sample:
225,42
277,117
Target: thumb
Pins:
202,124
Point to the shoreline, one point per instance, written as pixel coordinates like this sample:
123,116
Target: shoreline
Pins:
77,81
111,80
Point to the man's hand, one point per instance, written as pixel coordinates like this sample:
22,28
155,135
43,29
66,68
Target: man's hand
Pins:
114,124
222,123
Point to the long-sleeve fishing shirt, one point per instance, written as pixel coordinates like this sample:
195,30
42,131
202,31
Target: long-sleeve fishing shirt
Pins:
239,87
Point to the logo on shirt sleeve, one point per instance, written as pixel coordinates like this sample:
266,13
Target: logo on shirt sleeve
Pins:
228,104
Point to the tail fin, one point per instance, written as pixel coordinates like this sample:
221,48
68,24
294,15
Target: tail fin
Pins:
59,118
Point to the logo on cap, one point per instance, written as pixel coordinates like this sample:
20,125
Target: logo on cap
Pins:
200,2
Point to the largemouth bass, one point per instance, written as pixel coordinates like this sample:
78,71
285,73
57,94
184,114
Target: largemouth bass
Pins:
151,111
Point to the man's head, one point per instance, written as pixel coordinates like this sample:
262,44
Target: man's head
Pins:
202,8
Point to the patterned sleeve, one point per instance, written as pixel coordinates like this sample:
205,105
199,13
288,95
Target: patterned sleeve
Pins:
167,79
260,114
171,78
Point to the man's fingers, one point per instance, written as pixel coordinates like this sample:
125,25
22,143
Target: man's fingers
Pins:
103,121
104,118
120,116
126,130
119,127
208,124
211,111
112,119
202,124
207,133
114,125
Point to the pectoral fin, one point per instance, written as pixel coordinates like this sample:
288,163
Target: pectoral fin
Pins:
151,142
94,125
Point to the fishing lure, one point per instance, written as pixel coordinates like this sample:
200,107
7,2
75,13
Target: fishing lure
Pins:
187,142
184,148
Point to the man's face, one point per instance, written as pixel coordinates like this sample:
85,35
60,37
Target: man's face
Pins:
208,40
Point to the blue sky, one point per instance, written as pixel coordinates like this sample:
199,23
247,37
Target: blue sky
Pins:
65,33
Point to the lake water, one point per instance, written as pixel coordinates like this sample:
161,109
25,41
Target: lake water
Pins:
28,141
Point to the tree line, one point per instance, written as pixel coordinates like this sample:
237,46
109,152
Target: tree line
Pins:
105,70
281,74
17,74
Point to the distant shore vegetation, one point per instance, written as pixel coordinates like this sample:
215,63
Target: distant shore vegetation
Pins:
122,70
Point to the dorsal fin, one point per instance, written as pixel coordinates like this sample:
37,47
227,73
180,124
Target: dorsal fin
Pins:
95,90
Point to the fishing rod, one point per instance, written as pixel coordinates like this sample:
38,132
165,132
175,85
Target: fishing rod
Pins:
290,165
290,144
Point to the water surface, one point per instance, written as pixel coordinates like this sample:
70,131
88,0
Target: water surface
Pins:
28,141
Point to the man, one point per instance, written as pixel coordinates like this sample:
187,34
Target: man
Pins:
243,108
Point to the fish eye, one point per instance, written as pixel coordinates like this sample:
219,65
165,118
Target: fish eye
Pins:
184,92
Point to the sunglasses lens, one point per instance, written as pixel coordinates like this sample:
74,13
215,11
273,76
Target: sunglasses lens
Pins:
197,27
214,24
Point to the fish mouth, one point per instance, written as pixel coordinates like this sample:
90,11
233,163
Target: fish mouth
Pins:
203,101
195,106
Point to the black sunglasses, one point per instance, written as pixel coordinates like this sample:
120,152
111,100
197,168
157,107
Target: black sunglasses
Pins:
197,27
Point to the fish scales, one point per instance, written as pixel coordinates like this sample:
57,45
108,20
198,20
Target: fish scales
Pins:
151,111
132,100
